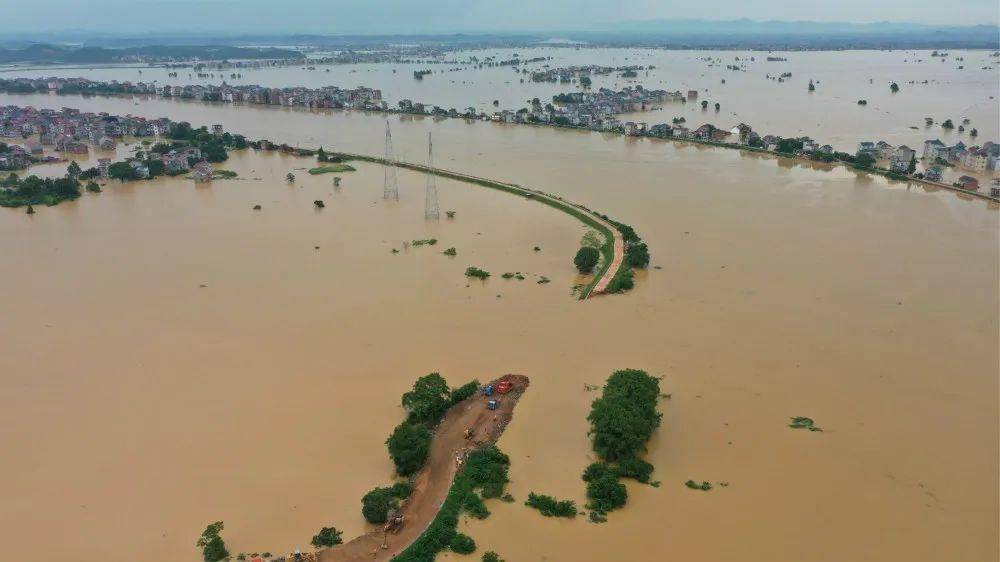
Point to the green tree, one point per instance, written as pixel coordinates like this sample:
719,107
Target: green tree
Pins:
93,187
637,255
121,171
73,169
585,81
211,543
864,160
586,259
606,493
409,445
625,415
428,400
327,536
490,556
462,544
894,87
378,502
812,87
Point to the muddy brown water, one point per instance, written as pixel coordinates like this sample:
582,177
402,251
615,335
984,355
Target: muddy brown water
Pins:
138,406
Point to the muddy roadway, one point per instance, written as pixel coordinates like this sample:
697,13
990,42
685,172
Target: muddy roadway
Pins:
432,483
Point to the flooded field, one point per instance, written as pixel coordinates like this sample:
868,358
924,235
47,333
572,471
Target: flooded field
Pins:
139,405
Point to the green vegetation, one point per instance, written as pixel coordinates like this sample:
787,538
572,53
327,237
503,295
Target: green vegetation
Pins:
637,255
622,281
32,190
476,272
704,486
461,393
485,469
462,544
424,242
427,401
92,187
213,548
606,493
379,502
475,506
622,420
625,415
290,177
225,174
409,446
551,507
331,168
586,259
490,556
450,252
450,214
894,87
327,536
804,423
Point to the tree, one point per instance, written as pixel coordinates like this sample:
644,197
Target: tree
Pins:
428,400
321,155
121,171
290,177
625,415
585,81
894,87
704,104
378,502
973,133
328,536
864,160
93,187
212,546
912,167
606,493
812,87
947,124
490,556
586,258
409,445
462,544
73,169
717,106
637,255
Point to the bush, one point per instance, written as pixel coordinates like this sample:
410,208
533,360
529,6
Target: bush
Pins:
409,445
328,536
637,469
625,415
586,258
622,282
475,506
428,400
704,486
551,507
606,493
463,392
487,470
462,544
637,255
490,556
476,272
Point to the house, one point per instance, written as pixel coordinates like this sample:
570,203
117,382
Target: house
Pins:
630,129
809,145
692,95
975,159
33,146
995,188
703,132
103,164
901,158
866,147
933,173
968,182
741,133
141,170
202,172
826,149
771,142
933,149
884,150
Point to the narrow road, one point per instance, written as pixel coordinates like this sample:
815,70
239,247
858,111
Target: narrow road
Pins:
432,483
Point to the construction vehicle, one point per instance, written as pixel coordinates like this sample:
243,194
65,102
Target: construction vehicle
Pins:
394,524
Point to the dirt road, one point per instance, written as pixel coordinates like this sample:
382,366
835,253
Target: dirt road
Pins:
431,484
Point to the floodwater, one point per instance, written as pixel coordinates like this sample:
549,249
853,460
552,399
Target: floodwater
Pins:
830,114
138,406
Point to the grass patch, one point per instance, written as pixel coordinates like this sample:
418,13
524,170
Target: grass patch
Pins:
704,486
450,252
331,168
425,242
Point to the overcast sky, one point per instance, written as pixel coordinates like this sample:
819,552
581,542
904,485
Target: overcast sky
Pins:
411,16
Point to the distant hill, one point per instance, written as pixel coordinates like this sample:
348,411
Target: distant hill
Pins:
45,53
748,33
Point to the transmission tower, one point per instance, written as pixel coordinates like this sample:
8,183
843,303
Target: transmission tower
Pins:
431,210
390,189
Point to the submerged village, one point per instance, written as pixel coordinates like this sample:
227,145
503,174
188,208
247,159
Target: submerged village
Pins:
73,132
